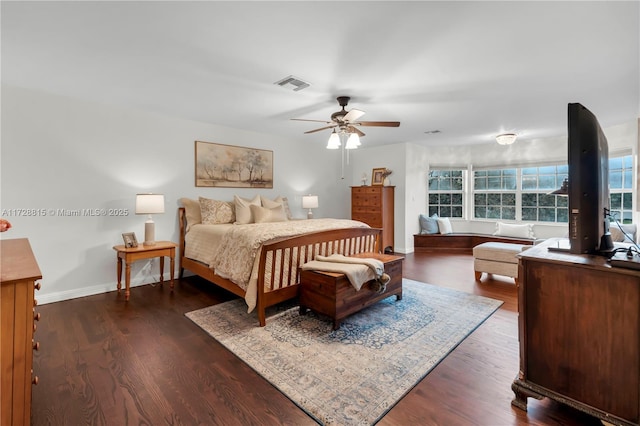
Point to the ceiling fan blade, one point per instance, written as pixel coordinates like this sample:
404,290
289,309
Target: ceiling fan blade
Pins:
316,121
353,115
321,128
355,130
378,123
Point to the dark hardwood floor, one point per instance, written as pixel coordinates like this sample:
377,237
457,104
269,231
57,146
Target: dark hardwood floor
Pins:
106,362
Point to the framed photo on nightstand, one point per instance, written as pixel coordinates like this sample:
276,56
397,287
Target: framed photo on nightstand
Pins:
130,239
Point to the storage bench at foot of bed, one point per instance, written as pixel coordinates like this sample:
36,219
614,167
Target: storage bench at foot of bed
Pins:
333,295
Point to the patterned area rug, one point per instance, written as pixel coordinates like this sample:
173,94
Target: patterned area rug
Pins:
353,375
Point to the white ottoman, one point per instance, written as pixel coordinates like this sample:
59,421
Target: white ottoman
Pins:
497,258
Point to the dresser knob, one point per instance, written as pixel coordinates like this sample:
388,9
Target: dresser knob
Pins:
35,302
37,286
36,345
36,316
35,380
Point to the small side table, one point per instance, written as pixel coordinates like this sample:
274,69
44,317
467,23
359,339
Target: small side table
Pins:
131,254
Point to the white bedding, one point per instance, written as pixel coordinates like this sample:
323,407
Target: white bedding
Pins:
201,241
233,250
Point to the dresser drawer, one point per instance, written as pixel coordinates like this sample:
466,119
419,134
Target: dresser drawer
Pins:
367,200
373,220
365,210
366,190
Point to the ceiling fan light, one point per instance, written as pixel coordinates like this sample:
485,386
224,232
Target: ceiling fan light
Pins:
334,141
506,138
353,142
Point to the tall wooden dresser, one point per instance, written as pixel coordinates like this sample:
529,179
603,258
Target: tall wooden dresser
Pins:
19,271
373,205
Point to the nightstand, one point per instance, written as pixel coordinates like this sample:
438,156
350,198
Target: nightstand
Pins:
131,254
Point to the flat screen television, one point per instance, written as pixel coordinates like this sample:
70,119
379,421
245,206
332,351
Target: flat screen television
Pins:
588,184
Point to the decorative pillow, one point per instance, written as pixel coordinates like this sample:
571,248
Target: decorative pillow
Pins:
524,230
243,211
266,214
278,201
215,211
287,210
617,234
192,211
428,225
444,225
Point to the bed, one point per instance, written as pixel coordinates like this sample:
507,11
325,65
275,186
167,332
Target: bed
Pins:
264,269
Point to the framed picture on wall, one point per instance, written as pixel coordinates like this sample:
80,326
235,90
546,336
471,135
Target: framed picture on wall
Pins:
130,240
377,176
229,166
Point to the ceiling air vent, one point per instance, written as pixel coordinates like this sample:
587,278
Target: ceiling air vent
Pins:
294,82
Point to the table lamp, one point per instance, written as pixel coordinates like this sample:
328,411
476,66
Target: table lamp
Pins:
310,202
149,204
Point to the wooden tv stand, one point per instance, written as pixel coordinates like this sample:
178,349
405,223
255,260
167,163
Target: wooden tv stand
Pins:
579,332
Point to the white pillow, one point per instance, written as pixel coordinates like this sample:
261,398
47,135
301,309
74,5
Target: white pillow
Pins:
278,201
265,214
243,210
444,225
192,211
524,230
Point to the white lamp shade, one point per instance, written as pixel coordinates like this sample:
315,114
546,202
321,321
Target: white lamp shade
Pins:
506,138
149,203
353,142
334,141
310,202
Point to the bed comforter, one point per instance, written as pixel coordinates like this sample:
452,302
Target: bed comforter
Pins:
237,253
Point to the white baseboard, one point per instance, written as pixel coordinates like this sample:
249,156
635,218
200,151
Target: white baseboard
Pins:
403,250
88,291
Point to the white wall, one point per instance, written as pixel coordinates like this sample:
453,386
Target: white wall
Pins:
365,159
61,153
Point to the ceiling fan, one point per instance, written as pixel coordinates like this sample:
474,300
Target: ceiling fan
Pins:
347,121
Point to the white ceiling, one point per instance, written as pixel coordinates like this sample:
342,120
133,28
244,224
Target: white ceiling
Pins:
468,69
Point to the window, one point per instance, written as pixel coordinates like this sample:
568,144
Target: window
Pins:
537,204
446,193
494,194
523,193
621,188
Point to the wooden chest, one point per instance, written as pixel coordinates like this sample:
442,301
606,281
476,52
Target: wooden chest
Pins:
333,295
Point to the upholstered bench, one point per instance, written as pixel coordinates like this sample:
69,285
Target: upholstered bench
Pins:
497,258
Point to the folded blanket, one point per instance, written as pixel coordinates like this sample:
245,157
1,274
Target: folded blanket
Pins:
357,270
376,266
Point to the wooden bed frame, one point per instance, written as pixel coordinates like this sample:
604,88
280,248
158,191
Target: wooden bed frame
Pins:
282,253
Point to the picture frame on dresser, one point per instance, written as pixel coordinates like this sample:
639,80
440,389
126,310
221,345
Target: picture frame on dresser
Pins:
377,176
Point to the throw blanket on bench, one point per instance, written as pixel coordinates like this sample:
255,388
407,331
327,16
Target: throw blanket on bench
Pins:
357,270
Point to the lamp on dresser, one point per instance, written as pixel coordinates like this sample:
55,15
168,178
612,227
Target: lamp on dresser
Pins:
149,204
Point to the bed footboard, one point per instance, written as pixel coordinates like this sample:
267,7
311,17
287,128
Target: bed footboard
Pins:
281,260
